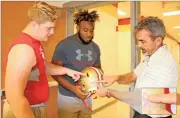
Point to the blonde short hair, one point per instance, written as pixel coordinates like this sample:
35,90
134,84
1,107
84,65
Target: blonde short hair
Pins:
42,12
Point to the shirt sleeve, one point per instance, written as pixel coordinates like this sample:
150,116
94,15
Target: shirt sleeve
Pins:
139,69
98,61
59,53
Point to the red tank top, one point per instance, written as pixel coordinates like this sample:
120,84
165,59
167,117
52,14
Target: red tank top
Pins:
36,91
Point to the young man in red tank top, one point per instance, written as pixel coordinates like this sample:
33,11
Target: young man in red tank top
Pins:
26,54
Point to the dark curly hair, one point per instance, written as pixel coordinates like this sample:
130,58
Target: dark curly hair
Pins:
84,15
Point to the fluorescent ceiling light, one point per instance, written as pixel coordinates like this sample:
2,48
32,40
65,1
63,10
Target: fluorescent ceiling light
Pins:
120,12
176,27
171,13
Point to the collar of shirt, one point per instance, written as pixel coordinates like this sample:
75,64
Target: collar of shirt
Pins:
156,54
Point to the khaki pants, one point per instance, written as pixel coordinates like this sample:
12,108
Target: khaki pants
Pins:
73,107
39,112
84,113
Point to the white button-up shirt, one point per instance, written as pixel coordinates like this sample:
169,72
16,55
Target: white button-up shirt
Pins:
160,70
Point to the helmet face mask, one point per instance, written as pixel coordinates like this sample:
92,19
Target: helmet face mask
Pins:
89,83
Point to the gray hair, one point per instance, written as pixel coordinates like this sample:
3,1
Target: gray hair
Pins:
152,24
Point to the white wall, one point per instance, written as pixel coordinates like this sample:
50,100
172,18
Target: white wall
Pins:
124,49
107,37
173,46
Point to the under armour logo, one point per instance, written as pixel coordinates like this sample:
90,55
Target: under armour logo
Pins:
80,55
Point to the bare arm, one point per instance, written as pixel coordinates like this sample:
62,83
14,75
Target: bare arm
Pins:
98,61
126,78
121,79
128,97
171,98
20,61
61,79
66,84
53,69
60,70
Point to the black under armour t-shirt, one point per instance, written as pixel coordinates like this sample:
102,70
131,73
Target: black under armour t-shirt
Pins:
76,56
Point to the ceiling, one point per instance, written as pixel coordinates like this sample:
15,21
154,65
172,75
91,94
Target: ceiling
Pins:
57,3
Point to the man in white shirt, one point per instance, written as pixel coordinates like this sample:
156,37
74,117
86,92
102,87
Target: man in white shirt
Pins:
157,70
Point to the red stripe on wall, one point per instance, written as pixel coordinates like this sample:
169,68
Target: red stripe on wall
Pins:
115,5
126,21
